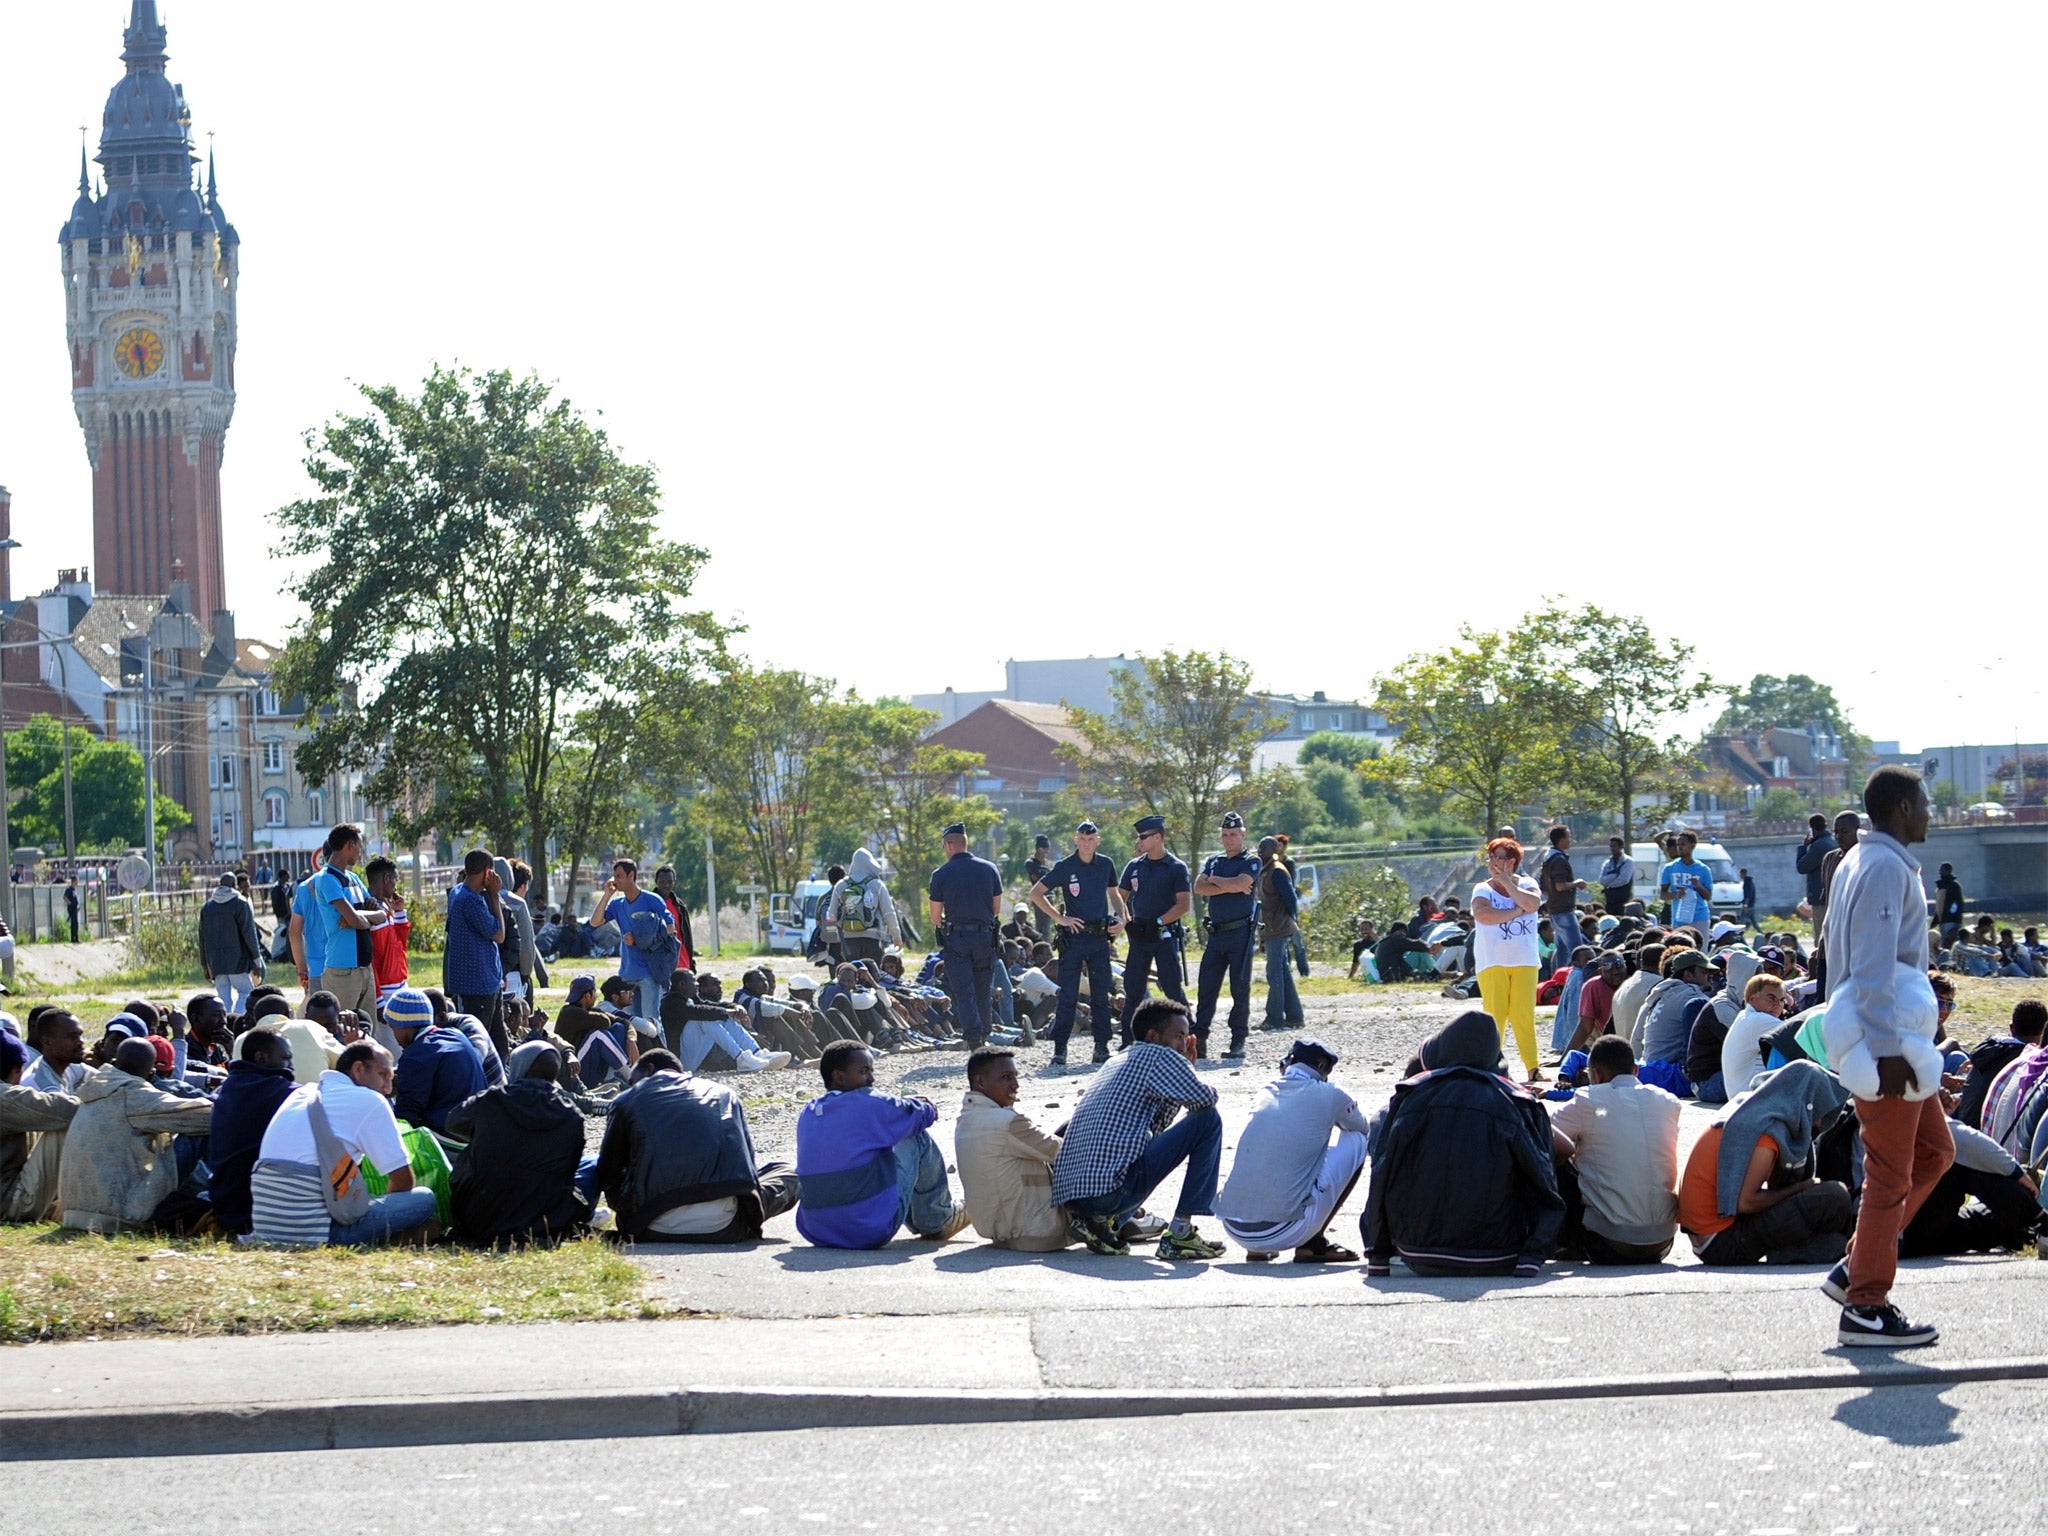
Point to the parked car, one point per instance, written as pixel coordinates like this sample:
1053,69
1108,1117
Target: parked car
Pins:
1650,860
793,916
1990,810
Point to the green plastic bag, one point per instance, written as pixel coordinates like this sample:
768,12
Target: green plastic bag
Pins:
430,1170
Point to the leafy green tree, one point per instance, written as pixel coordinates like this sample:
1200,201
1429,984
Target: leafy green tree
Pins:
1337,747
1619,691
484,567
1181,728
1283,800
1339,790
1780,804
916,791
1478,724
1792,702
1376,892
107,791
782,757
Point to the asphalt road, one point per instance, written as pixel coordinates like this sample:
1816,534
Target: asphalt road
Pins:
1896,1459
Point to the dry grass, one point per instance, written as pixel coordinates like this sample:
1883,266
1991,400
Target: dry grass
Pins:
1984,1004
66,1285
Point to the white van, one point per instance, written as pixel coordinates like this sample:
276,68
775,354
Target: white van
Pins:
793,917
1650,861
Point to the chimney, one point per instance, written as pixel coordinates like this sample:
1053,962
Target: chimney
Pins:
224,631
6,555
180,595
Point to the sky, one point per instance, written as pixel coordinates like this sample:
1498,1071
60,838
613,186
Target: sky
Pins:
1308,333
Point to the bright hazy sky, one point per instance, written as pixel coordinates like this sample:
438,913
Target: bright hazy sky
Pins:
1305,332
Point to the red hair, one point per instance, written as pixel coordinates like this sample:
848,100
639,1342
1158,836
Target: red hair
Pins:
1504,845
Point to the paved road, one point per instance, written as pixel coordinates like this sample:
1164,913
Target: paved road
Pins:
1916,1459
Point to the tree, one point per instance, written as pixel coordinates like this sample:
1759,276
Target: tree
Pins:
782,757
484,567
1339,790
1622,690
1337,747
1181,727
1780,804
1478,725
916,788
108,795
1793,702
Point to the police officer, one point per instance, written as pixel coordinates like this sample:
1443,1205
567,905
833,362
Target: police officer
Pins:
1157,896
1088,890
966,904
1228,882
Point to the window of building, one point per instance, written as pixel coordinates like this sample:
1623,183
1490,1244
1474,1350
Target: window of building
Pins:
212,716
227,714
227,773
273,756
1308,720
273,810
216,826
227,830
316,807
266,702
213,773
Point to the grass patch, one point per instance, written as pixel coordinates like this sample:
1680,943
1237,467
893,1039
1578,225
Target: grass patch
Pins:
58,1285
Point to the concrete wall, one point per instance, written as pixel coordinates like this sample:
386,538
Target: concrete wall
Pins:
2003,869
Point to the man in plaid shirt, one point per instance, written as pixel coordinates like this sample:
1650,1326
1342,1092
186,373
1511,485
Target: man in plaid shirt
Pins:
1123,1140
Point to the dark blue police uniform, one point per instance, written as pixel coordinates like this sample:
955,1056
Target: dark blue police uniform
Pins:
1151,887
1229,951
1083,890
968,888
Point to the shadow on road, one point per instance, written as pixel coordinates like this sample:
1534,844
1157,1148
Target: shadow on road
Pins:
1904,1415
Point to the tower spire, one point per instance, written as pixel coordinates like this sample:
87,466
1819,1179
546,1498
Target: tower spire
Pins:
143,43
212,184
84,175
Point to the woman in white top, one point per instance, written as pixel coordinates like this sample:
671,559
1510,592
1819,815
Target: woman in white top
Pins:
1505,947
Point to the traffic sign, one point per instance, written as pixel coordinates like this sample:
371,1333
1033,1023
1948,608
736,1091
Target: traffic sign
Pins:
134,873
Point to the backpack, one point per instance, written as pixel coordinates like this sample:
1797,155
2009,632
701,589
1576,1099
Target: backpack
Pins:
855,909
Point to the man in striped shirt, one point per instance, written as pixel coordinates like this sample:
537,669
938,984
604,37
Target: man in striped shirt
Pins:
1123,1140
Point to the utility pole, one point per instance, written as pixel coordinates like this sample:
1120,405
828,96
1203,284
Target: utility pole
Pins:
711,889
148,763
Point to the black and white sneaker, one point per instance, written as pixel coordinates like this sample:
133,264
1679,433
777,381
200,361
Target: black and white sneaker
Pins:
1836,1286
1882,1327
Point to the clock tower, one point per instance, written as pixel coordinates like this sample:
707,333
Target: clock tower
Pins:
150,267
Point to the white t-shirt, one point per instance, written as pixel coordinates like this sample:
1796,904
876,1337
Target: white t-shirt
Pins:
697,1220
361,1118
1512,943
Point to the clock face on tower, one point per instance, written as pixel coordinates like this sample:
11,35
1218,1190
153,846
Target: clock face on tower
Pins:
139,353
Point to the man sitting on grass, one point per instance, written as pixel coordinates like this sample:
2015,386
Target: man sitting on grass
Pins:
678,1162
121,1169
517,1181
32,1128
1123,1142
257,1084
438,1070
288,1202
1288,1178
867,1162
1005,1160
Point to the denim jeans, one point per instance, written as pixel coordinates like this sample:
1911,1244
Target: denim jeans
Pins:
924,1201
388,1216
233,991
648,996
1567,1022
586,1179
1299,947
1002,997
1283,998
699,1035
1195,1139
1564,927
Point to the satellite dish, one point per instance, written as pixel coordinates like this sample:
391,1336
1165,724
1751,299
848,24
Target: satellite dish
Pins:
134,873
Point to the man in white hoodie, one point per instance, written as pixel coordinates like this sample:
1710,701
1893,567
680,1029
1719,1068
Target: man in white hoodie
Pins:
862,911
1288,1177
1876,923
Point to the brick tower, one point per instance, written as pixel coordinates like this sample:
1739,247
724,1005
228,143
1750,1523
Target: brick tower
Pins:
150,269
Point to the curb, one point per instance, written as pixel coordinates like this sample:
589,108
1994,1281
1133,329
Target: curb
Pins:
370,1423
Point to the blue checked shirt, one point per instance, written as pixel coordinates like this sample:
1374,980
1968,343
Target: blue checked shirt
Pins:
1132,1099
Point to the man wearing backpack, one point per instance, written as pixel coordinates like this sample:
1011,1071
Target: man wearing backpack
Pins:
865,915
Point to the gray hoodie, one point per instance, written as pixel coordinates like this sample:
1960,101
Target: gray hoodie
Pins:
1876,920
118,1167
862,870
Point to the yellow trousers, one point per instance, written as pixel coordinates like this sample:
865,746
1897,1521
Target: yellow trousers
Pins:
1508,992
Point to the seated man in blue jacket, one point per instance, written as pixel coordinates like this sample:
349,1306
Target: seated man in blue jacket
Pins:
677,1163
439,1069
257,1083
867,1162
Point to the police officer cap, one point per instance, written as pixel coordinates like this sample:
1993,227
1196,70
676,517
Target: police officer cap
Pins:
1087,828
957,829
1147,824
1232,822
1312,1053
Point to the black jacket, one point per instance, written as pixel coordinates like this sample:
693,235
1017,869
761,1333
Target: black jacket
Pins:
515,1181
1462,1177
1812,854
241,1114
676,1140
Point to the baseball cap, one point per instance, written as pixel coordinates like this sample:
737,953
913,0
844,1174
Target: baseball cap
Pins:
1311,1053
582,986
1724,931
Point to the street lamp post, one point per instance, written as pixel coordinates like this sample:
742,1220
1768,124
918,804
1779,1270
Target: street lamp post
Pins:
7,546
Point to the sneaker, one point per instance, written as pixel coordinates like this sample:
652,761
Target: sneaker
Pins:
1882,1327
1836,1286
1142,1227
955,1223
1101,1054
1193,1246
1097,1233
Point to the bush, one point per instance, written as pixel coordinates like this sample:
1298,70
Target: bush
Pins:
1440,829
1332,923
169,943
429,915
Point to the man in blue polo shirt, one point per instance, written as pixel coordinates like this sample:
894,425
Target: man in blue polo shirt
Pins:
1227,882
1087,887
619,901
304,931
966,898
1689,886
1157,896
472,967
